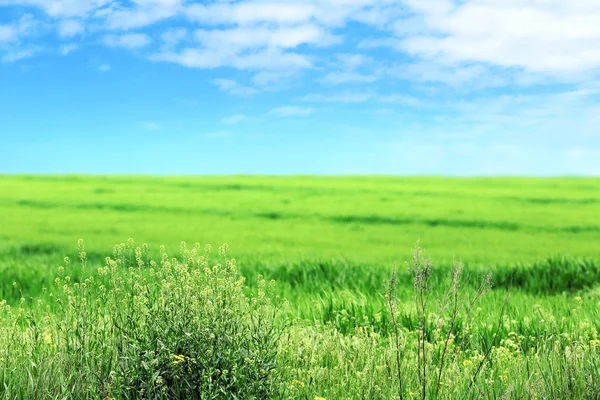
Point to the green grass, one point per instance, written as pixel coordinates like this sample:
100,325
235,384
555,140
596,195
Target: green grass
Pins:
331,245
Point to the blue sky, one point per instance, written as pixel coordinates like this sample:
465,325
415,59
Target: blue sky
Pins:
469,87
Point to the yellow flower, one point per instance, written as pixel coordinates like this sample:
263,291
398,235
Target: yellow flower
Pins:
179,359
320,398
48,338
467,363
297,383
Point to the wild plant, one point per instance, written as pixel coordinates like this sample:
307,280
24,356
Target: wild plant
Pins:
141,329
435,337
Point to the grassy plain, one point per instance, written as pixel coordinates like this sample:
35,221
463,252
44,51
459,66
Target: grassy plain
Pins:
331,245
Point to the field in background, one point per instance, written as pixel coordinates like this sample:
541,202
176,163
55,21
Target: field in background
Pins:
320,233
332,243
366,219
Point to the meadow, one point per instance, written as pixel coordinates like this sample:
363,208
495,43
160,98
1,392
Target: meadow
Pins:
321,292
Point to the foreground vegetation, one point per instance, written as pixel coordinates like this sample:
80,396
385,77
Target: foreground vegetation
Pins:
186,328
333,326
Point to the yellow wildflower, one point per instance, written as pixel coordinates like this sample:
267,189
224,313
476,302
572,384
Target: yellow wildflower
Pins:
179,359
48,338
320,398
297,383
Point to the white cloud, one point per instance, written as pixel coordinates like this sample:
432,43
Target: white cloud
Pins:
401,99
67,49
15,31
8,33
259,37
329,13
233,87
234,119
132,40
104,68
223,57
69,28
247,13
352,61
463,44
349,97
62,8
264,78
248,34
346,70
552,36
338,78
13,38
226,84
470,76
173,37
17,55
343,97
291,111
249,48
145,13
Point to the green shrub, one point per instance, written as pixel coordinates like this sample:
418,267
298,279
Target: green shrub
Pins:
137,328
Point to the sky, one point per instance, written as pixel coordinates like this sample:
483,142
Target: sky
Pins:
396,87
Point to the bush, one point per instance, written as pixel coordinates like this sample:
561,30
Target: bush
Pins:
138,328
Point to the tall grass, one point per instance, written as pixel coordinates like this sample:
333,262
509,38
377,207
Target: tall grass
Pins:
156,327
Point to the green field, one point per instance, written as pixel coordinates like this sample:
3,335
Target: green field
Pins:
330,244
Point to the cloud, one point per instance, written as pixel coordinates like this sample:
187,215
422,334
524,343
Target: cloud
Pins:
327,13
343,97
259,37
17,55
401,99
352,61
552,37
61,8
264,78
18,29
234,119
69,28
67,49
144,13
104,68
13,37
8,33
248,13
291,111
131,41
223,57
416,46
250,48
173,37
349,97
226,84
233,87
339,78
347,68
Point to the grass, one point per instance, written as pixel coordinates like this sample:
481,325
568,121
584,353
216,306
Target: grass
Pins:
331,245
